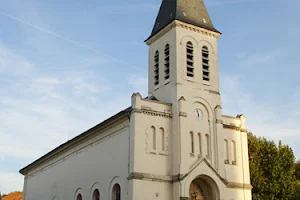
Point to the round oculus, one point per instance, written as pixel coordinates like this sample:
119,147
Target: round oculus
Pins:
198,113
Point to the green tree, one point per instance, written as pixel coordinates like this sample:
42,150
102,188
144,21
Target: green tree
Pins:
271,169
297,182
297,170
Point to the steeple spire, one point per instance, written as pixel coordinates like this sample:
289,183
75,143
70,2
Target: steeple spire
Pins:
189,11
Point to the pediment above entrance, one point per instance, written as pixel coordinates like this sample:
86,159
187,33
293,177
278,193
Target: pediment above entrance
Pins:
199,169
204,167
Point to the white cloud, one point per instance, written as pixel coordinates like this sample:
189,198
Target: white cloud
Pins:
139,83
40,111
260,58
8,180
14,64
263,118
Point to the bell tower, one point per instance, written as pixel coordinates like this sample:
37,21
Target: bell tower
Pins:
182,50
183,71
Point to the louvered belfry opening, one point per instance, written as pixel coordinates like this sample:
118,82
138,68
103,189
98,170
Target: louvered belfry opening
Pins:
189,60
156,68
167,61
205,63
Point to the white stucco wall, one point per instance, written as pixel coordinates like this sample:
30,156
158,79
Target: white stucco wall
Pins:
99,163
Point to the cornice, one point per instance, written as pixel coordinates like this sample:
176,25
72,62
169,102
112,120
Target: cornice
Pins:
150,177
182,114
179,178
213,92
197,29
152,112
177,23
233,127
234,185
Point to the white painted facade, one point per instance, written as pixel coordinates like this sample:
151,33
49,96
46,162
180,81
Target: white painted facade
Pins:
174,145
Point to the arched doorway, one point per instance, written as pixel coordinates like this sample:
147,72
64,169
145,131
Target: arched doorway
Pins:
203,188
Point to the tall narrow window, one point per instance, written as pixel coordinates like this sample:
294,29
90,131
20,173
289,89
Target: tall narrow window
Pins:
205,63
96,195
189,59
200,146
162,134
192,142
207,146
167,61
233,153
116,192
153,137
79,197
226,150
156,68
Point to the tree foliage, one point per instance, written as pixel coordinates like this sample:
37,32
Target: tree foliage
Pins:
297,170
297,182
271,169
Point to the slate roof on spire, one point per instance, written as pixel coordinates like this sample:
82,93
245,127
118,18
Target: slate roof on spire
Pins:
189,11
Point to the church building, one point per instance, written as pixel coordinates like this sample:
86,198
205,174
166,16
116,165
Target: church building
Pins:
174,144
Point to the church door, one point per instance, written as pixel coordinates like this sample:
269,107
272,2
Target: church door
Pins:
203,188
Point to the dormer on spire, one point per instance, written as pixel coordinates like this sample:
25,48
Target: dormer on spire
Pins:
192,12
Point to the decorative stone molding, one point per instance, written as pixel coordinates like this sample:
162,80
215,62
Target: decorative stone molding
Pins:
244,130
234,185
157,113
152,112
182,114
196,29
232,127
149,177
177,23
219,121
213,92
180,177
136,110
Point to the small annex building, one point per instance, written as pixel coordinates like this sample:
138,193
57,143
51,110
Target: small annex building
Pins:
173,145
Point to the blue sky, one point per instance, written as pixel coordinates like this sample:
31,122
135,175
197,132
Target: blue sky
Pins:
66,66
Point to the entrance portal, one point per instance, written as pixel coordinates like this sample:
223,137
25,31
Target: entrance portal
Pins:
203,188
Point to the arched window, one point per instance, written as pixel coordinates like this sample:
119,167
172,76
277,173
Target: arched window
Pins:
167,61
116,192
189,59
192,142
207,146
153,132
162,134
96,195
233,152
205,63
200,145
79,197
226,150
156,68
